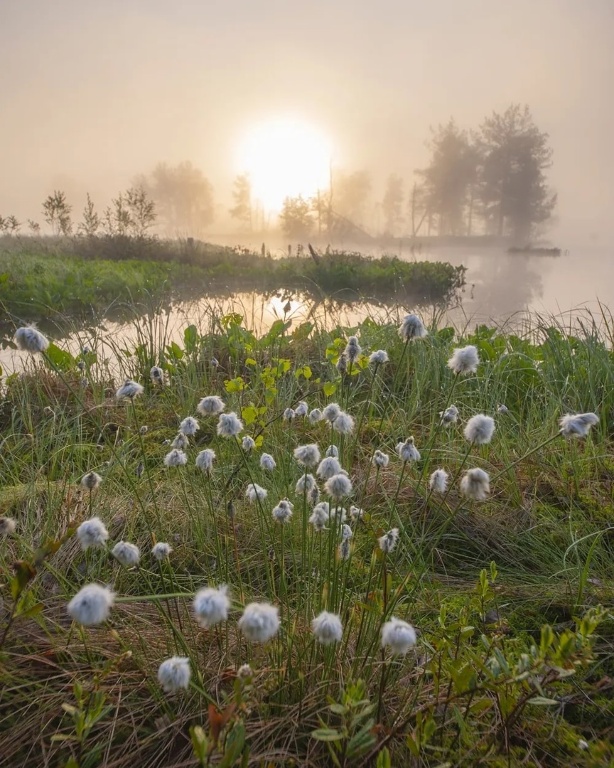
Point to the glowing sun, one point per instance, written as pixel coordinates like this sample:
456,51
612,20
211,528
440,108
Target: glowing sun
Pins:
285,157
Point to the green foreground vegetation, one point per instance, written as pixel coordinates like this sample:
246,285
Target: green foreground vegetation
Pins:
37,285
511,597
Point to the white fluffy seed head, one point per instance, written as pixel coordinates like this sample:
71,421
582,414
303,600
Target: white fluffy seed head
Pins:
380,459
174,674
301,409
389,540
578,425
267,462
181,442
189,426
91,605
438,481
161,551
248,443
412,328
328,467
92,533
283,511
204,460
344,424
398,636
327,628
126,553
464,360
212,405
229,425
407,451
352,349
30,339
175,458
156,374
259,622
378,357
315,415
305,484
331,412
342,363
7,526
129,389
345,549
90,481
502,409
211,606
479,429
346,531
332,450
475,484
255,492
289,414
449,416
338,486
320,516
356,513
307,455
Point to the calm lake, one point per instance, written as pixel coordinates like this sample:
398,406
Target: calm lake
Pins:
500,288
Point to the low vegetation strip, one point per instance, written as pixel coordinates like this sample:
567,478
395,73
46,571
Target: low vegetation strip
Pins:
33,285
371,547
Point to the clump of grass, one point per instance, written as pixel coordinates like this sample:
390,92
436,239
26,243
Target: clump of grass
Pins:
391,622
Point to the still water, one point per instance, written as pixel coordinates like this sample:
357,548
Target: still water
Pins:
500,288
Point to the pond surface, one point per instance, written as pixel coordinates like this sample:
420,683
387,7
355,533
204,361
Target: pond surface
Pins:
500,288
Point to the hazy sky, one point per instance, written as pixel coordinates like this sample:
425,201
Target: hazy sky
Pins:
93,93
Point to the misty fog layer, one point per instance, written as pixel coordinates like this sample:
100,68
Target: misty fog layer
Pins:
95,94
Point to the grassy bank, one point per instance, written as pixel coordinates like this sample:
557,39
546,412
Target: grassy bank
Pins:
514,656
34,285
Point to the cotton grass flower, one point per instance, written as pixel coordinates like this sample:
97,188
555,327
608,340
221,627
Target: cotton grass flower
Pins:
204,460
407,451
475,484
464,360
229,425
332,450
346,531
328,467
502,409
412,328
380,459
356,513
259,622
398,636
315,415
30,339
578,425
161,551
301,409
156,375
212,405
338,486
7,526
388,541
283,511
438,481
344,424
331,411
289,414
379,357
211,605
255,492
92,533
248,444
91,605
352,349
267,462
175,458
320,516
342,364
307,455
129,390
327,628
479,429
181,441
91,481
126,553
189,426
305,484
449,416
174,674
